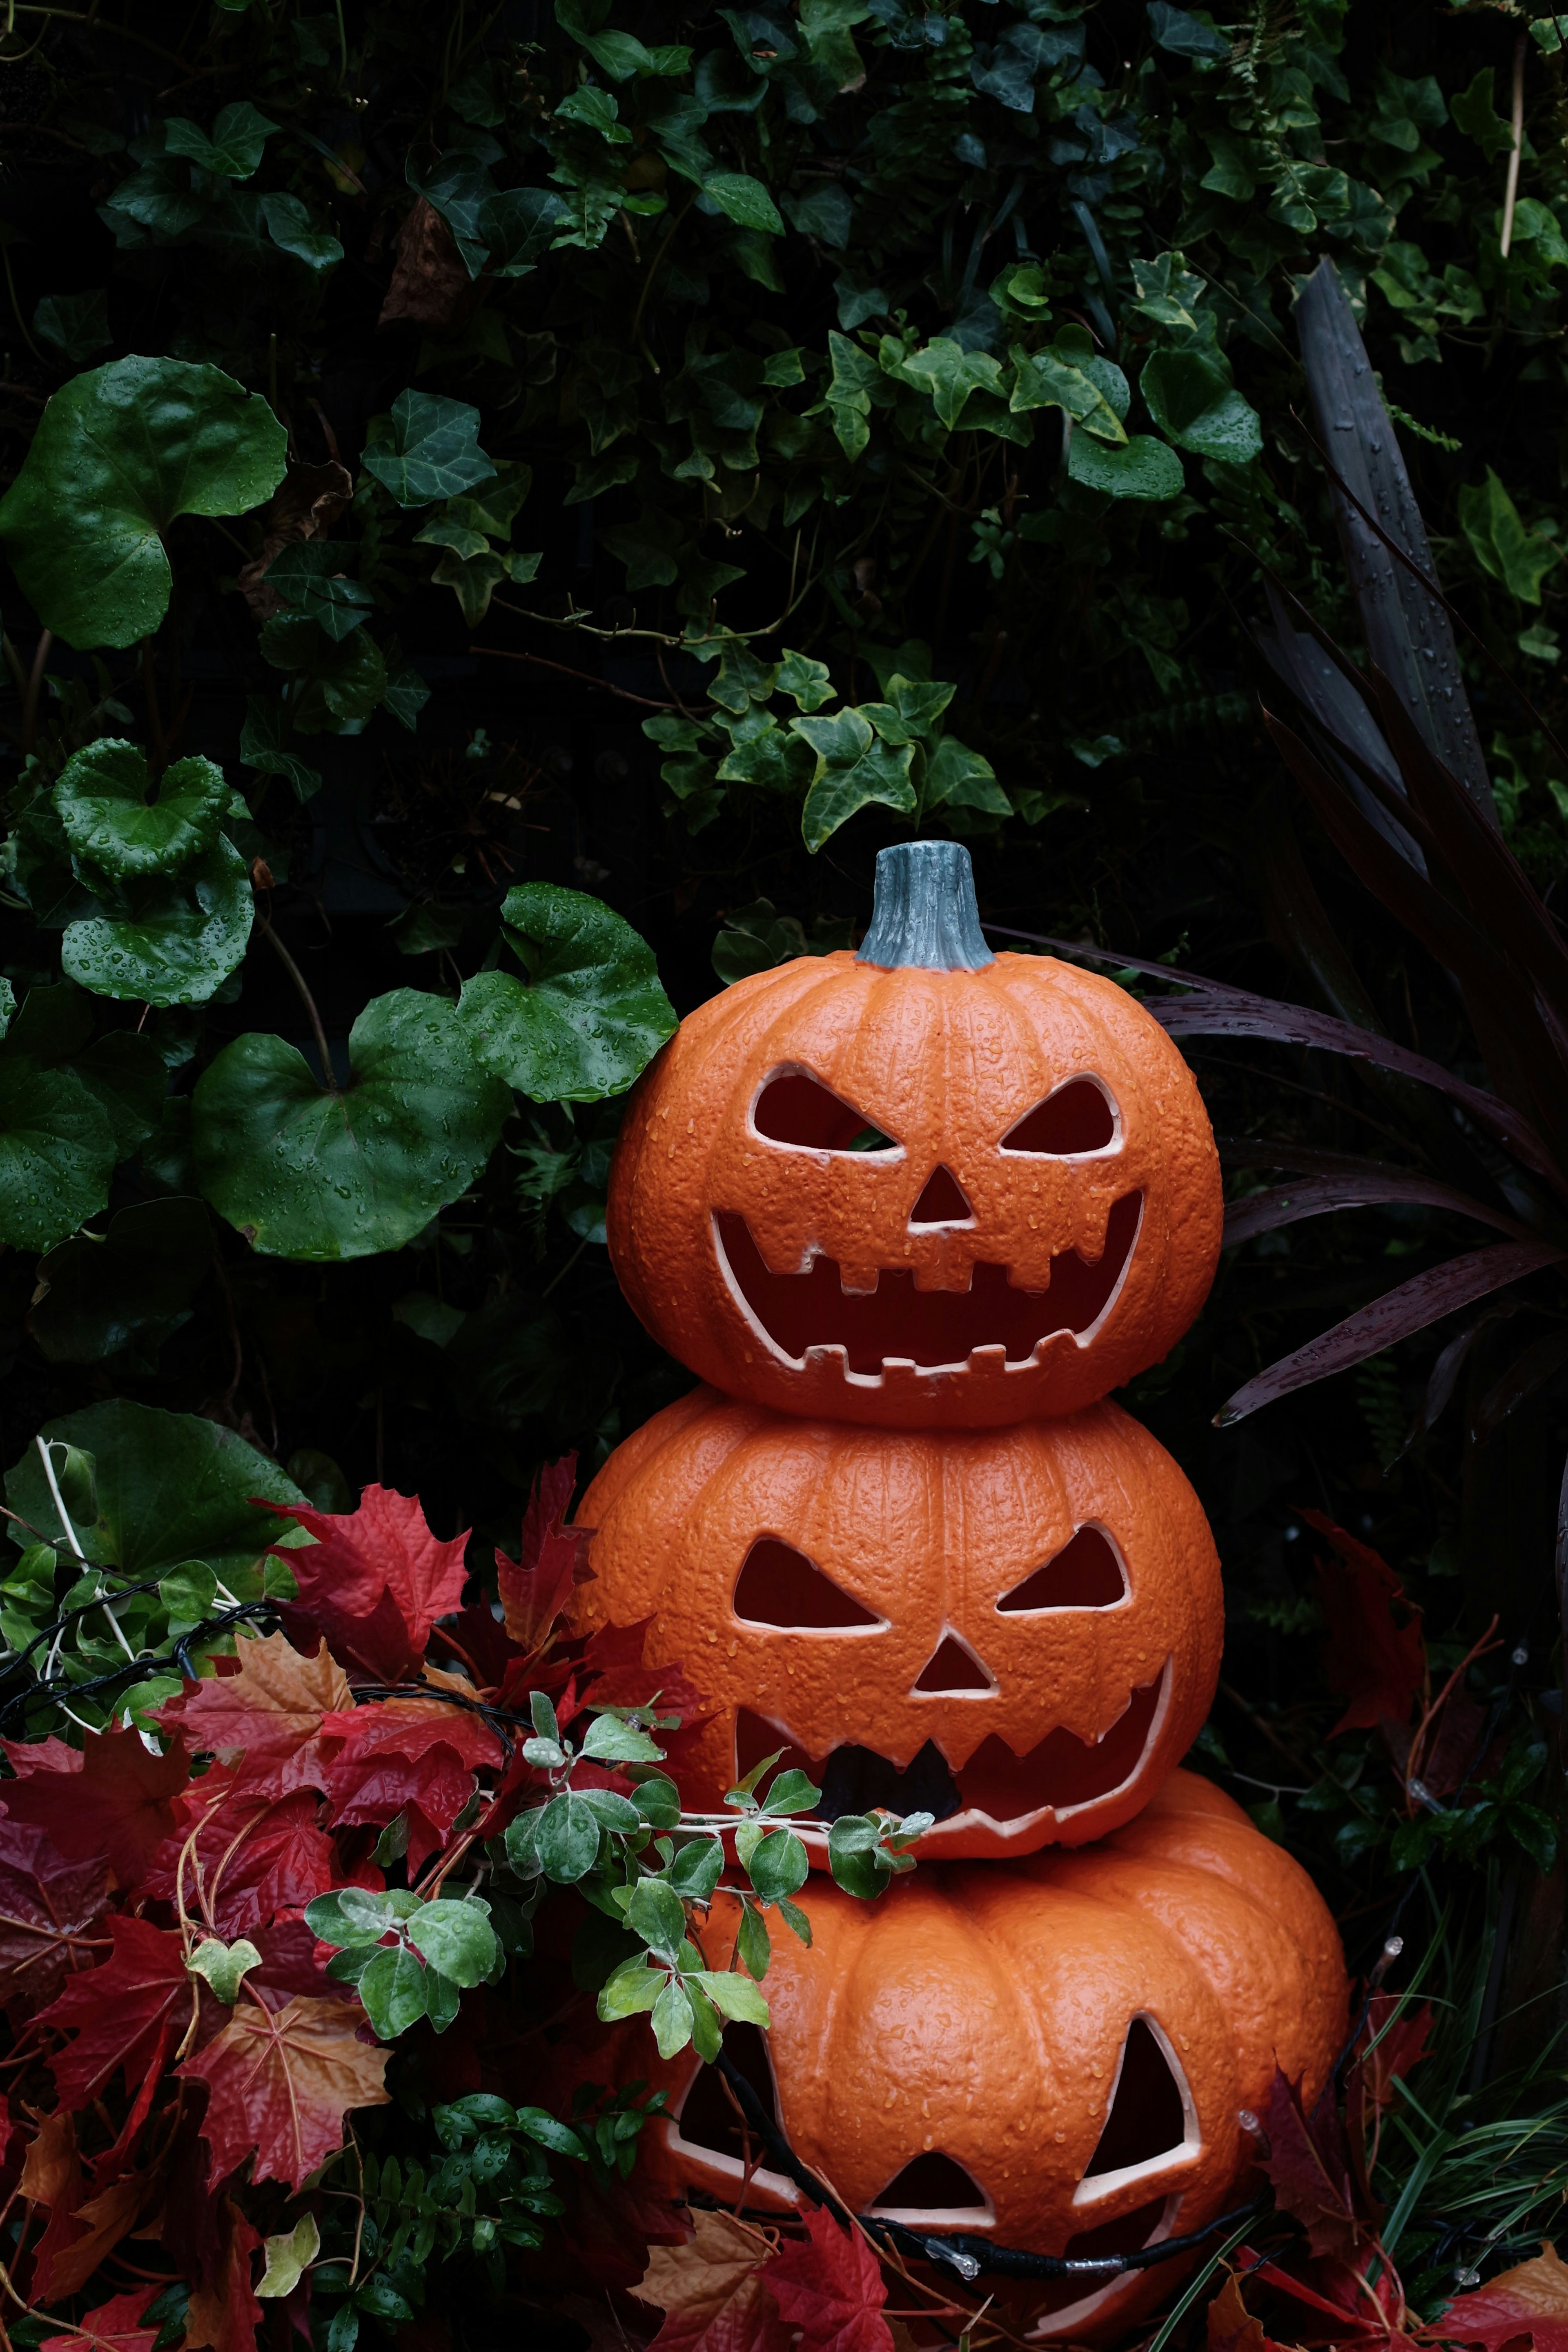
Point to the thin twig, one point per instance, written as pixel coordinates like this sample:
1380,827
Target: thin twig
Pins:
298,977
498,653
1511,194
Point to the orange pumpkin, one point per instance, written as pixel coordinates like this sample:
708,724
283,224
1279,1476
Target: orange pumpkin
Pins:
920,1185
1051,2052
1018,1630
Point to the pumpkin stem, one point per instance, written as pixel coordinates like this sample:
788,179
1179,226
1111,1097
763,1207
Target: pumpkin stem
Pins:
924,910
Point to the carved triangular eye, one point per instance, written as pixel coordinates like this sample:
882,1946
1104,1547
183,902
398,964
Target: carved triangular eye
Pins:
953,1667
1079,1116
780,1586
933,2183
795,1108
1084,1574
942,1202
707,2116
1148,2118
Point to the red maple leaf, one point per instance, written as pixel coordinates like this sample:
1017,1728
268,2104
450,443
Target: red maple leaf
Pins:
612,1674
373,1582
1386,2050
269,1707
535,1588
1375,1660
114,2326
711,2291
252,1855
114,1801
122,2013
279,2083
829,2285
1531,2300
1309,2165
48,1908
412,1755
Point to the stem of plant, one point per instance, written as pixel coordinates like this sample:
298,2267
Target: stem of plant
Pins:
30,696
329,1083
1511,193
154,716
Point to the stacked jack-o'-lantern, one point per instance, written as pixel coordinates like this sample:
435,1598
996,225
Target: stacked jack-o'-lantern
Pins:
909,1214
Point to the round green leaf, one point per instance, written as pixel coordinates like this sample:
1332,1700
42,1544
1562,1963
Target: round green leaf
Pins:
103,798
1144,469
392,1989
592,1015
455,1937
1189,396
172,1487
57,1154
118,453
305,1173
166,941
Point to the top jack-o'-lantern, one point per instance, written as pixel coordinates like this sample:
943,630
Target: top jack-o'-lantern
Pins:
921,1184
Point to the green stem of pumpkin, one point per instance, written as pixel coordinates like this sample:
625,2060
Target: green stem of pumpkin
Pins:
308,1001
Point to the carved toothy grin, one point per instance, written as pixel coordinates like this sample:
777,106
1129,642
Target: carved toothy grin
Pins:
1060,1776
812,1313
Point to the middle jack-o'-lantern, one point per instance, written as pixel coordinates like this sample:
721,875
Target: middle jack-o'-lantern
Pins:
1053,2054
919,1186
1018,1630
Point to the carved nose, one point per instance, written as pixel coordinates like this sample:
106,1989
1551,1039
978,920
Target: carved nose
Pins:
953,1669
942,1203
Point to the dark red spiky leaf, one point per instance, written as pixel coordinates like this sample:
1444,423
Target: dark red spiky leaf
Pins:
120,2014
1374,1657
535,1587
49,1907
115,1800
1309,2166
410,1756
1385,2051
373,1582
251,1856
115,2326
829,2285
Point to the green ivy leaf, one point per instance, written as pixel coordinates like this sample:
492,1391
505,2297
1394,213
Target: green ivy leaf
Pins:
76,326
223,1966
1189,396
1145,468
118,454
311,1174
103,798
166,939
263,746
854,767
592,1014
1500,542
431,451
744,201
234,149
309,577
292,230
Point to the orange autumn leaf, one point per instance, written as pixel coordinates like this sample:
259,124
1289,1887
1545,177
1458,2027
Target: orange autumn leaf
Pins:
272,1707
711,2293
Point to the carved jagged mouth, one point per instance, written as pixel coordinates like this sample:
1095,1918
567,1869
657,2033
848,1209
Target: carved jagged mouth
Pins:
1059,1775
933,1329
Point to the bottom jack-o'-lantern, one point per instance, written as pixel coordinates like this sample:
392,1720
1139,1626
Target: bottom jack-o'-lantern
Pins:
1052,2053
1017,1630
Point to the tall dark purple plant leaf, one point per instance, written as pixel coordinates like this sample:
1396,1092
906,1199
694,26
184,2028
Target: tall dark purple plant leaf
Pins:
1372,1187
1407,629
1215,1009
1413,1307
